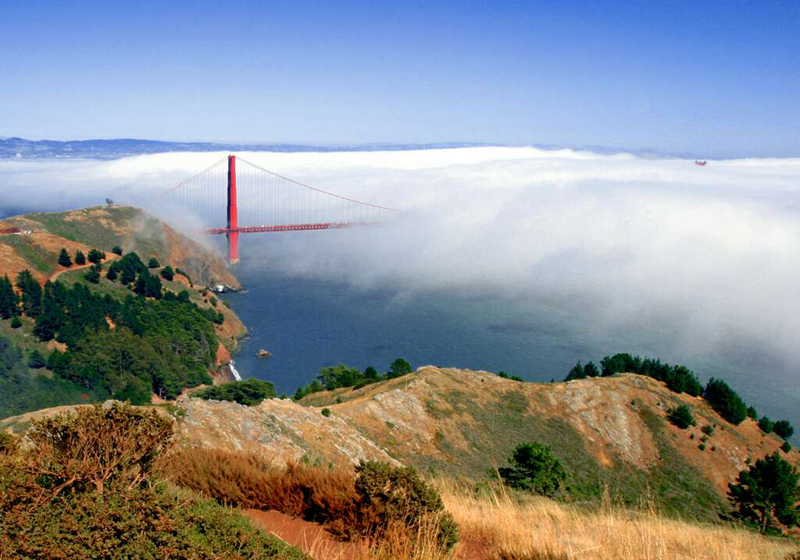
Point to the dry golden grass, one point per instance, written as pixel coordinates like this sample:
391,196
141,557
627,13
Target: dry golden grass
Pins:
541,529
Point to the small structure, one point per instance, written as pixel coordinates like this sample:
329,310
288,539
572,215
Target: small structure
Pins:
264,353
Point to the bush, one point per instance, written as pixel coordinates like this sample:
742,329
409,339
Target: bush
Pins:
97,446
702,447
388,495
16,323
786,447
153,263
682,417
725,401
326,412
251,392
84,490
516,378
535,469
766,425
117,250
708,430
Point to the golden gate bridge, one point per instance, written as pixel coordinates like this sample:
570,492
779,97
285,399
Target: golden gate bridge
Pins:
266,202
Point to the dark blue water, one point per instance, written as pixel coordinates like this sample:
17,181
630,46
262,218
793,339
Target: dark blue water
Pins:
308,324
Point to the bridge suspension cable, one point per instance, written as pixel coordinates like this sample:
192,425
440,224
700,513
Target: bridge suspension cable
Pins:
250,199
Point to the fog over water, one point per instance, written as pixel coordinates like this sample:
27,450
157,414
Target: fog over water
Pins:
516,258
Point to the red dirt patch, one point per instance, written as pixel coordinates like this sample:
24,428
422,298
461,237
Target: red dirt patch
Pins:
311,538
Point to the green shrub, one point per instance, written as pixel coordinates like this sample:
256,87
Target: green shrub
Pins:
117,250
16,323
326,412
250,392
516,378
702,447
363,383
80,258
708,430
388,495
535,469
682,417
153,263
502,374
786,447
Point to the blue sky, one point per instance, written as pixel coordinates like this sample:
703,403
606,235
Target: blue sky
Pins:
707,78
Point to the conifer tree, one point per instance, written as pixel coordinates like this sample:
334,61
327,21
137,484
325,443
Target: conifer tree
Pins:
80,258
96,256
31,293
64,259
9,301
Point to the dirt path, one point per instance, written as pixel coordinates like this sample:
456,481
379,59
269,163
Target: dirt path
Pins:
55,275
309,537
315,541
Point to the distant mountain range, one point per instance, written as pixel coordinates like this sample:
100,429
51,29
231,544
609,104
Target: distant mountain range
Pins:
122,147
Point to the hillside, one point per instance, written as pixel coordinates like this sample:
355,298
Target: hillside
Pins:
33,242
609,433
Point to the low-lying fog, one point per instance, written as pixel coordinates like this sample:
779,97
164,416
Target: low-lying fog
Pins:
699,264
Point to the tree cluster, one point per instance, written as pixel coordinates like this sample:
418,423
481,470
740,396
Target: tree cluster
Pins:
766,494
249,393
125,350
338,376
679,379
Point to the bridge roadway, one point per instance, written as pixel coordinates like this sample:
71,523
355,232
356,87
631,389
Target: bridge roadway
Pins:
288,227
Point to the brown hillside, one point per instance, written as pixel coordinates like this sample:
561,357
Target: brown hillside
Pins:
610,432
33,241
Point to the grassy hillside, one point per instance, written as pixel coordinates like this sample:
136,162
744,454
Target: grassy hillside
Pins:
33,243
104,227
611,434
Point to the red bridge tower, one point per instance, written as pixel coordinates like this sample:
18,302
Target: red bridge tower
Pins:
233,213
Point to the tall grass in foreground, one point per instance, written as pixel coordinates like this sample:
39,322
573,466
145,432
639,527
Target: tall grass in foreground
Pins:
508,528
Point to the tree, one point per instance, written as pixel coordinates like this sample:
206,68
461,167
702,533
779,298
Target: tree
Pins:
31,293
111,274
9,301
167,273
682,417
398,368
752,413
80,258
96,256
92,275
36,360
371,373
767,493
153,263
577,372
591,370
725,401
766,424
16,323
783,428
64,259
534,468
117,250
